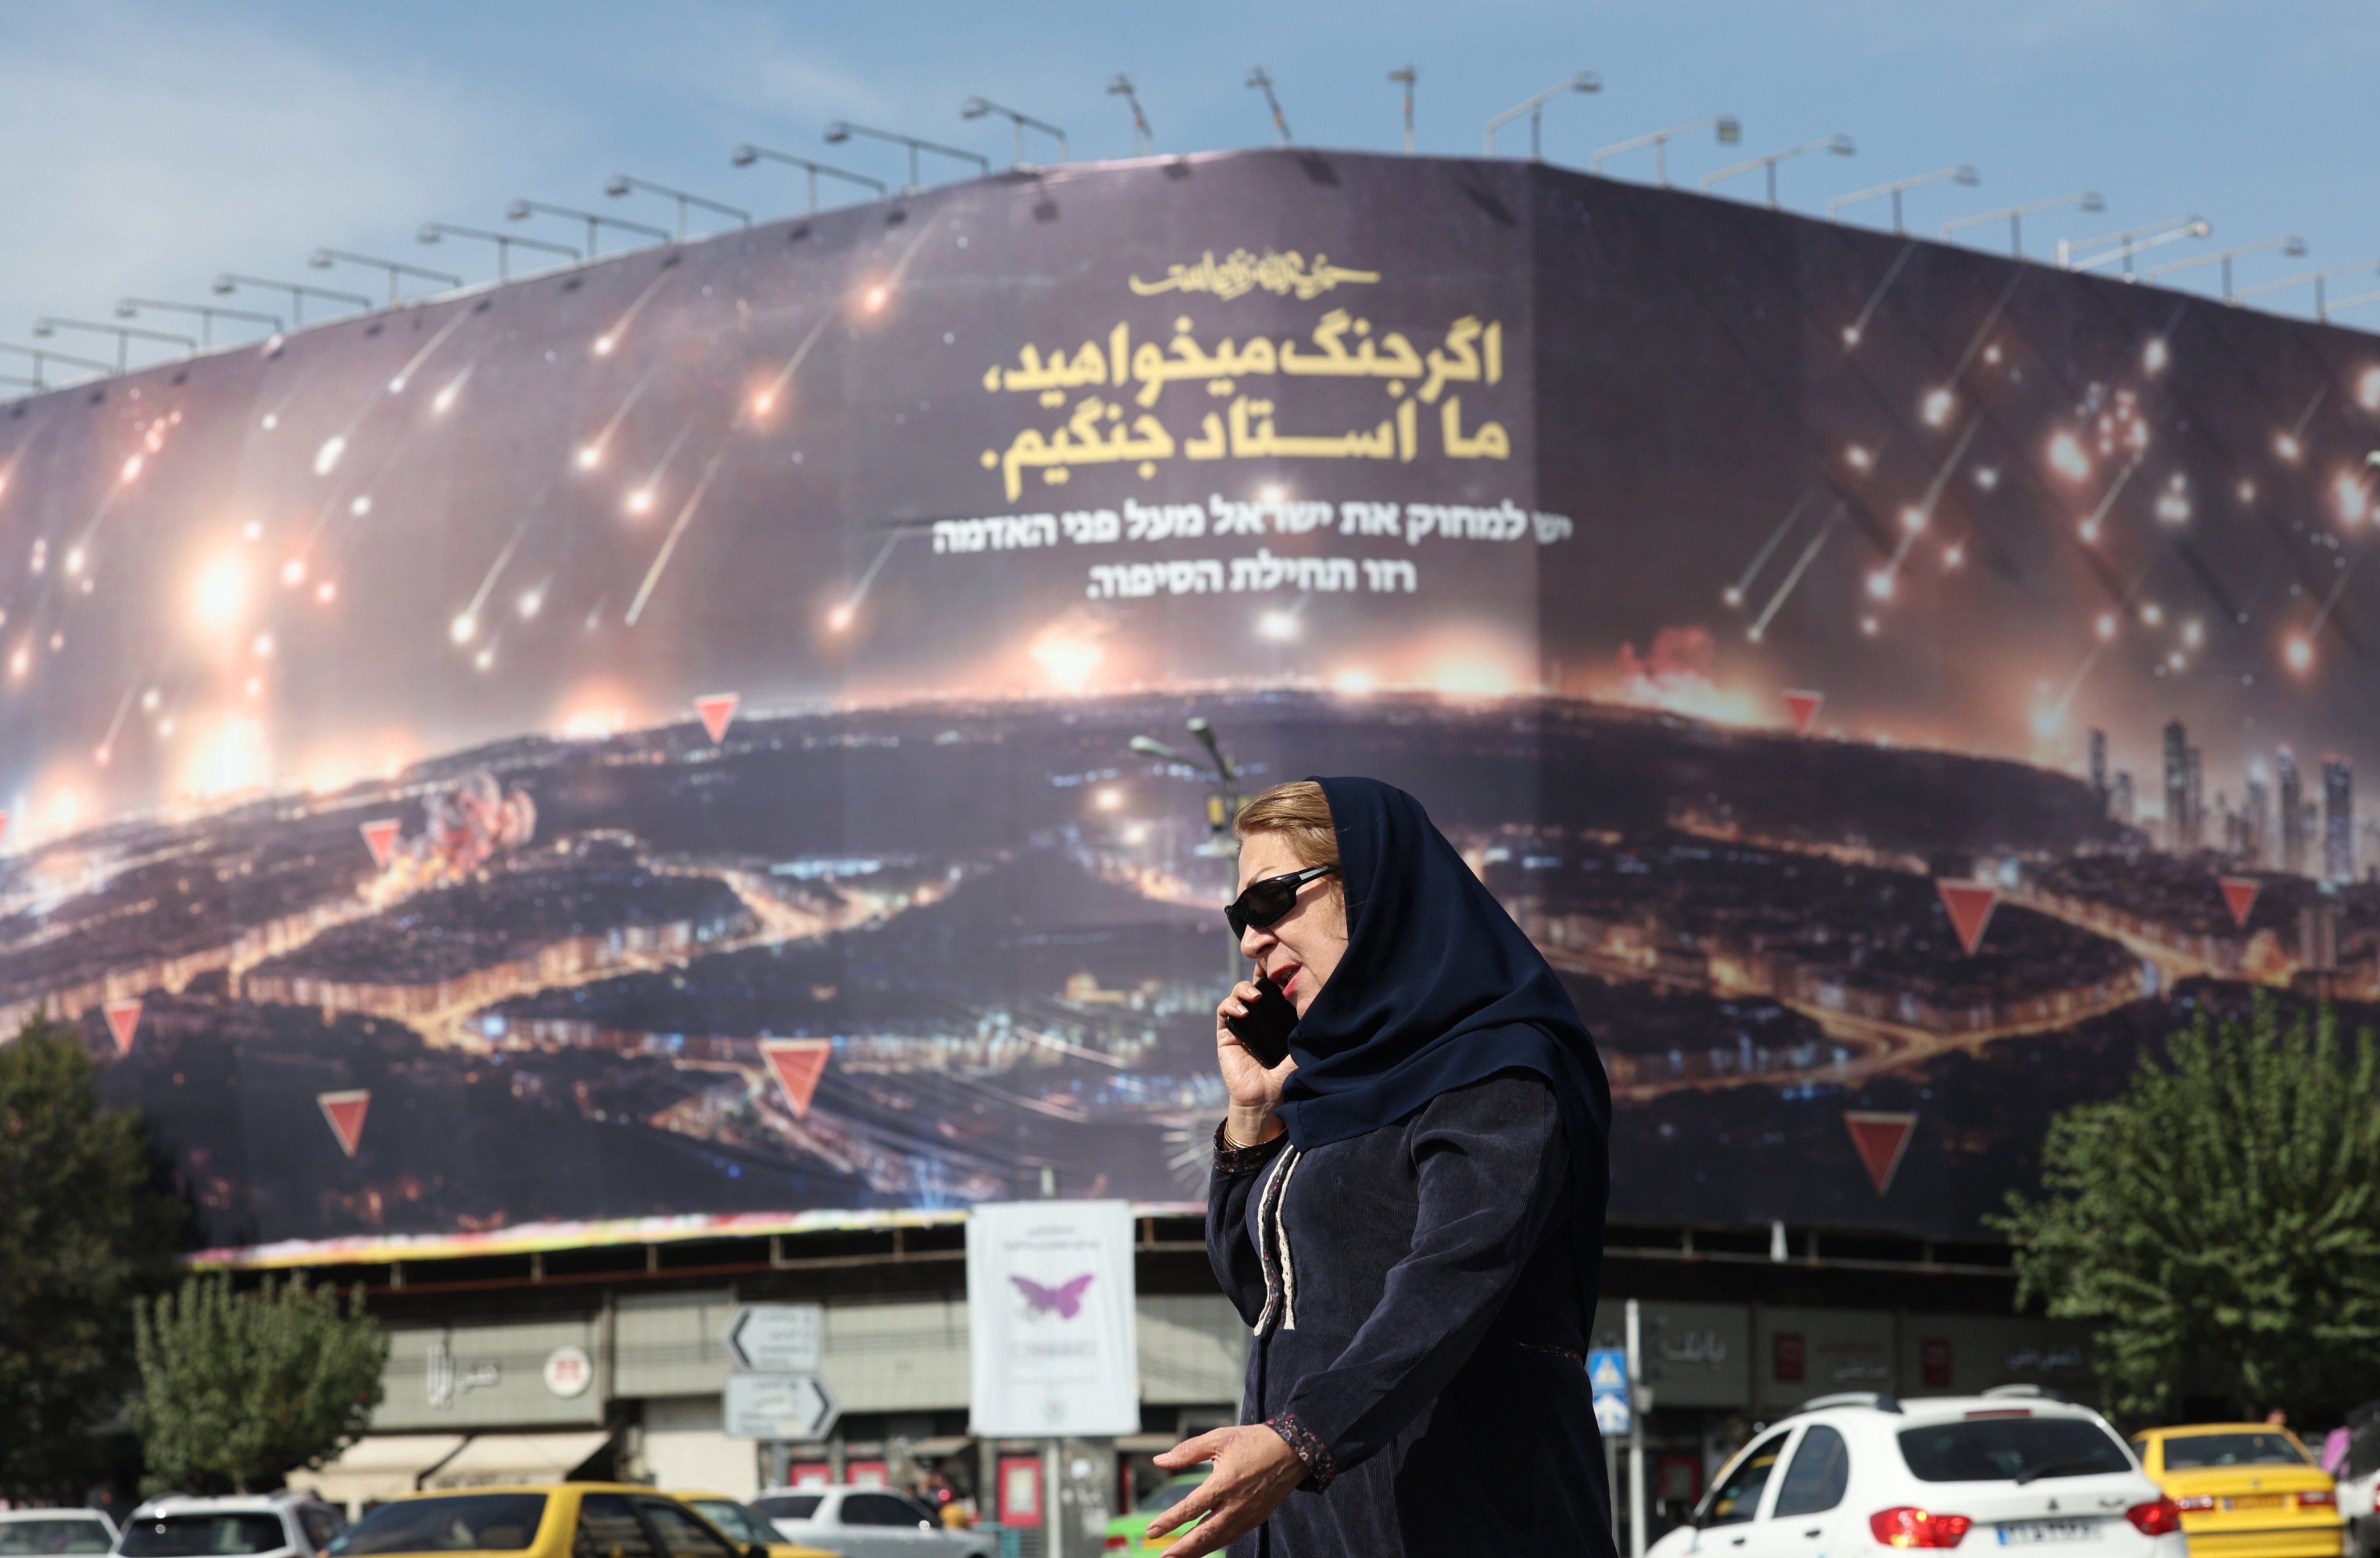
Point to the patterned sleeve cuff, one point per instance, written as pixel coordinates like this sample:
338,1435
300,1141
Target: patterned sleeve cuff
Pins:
1244,1160
1312,1451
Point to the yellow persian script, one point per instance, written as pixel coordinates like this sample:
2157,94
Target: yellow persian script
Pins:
1240,272
1471,353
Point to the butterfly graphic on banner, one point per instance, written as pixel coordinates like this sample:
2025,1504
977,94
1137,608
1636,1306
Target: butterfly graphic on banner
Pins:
1064,1301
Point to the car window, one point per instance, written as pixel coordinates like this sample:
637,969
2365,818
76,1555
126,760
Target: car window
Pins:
682,1536
788,1506
1165,1495
1820,1472
607,1530
877,1509
204,1536
1737,1499
2197,1451
319,1523
2006,1449
52,1536
464,1522
733,1519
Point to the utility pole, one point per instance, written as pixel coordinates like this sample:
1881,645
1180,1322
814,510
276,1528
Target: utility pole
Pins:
1405,78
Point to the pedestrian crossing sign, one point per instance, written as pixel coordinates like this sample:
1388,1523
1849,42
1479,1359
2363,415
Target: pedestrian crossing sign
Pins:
1607,1378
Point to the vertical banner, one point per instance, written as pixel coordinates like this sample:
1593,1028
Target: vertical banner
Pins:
1050,1319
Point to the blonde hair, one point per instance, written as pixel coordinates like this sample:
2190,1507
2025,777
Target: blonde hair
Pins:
1300,813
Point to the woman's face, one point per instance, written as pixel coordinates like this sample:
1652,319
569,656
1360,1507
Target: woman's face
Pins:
1298,951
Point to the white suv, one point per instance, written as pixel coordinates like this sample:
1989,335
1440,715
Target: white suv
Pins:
868,1523
2011,1467
263,1525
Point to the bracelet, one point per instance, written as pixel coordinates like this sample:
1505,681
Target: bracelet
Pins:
1228,1142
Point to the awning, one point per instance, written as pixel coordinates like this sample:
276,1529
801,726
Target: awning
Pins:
491,1458
377,1467
938,1446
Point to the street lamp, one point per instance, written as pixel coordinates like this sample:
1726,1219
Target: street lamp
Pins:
1583,81
1143,139
1962,174
2320,280
1838,145
42,356
1222,806
2087,200
123,334
2131,241
976,107
2292,245
521,211
227,284
1258,80
621,184
323,259
1405,78
432,231
844,129
1730,130
746,155
129,309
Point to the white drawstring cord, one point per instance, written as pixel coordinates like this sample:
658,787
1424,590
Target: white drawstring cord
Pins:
1272,1234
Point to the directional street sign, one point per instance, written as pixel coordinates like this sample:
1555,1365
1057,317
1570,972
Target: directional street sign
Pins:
777,1338
1607,1377
777,1407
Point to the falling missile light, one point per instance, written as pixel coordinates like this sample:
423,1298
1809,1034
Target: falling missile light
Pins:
1858,458
292,572
251,531
1954,556
1988,477
2152,614
263,647
2155,356
2286,445
443,400
132,467
530,603
219,592
326,592
149,701
640,501
1868,626
1732,596
2351,498
269,421
2192,632
1937,407
2106,624
1913,520
463,628
74,561
877,297
839,618
589,456
326,459
1879,584
2298,653
2067,458
2367,390
1278,626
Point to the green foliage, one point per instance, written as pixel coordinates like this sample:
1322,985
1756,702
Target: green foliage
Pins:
2219,1222
81,1233
246,1387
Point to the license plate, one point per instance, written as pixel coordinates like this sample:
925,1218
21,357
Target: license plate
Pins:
2025,1533
2256,1500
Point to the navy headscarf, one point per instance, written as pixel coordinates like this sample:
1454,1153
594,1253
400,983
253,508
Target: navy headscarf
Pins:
1438,989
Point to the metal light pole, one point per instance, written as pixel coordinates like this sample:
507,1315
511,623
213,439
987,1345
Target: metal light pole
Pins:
129,309
1962,174
844,129
1583,81
2292,245
2131,241
1222,808
2087,200
1838,145
1405,78
124,333
621,184
1143,139
976,107
323,259
521,211
227,284
1730,130
431,232
2320,280
1260,81
42,356
746,154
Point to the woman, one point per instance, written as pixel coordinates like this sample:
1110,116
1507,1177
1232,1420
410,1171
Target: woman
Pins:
1408,1211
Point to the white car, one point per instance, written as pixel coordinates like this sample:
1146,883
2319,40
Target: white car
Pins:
868,1523
24,1533
266,1526
2011,1467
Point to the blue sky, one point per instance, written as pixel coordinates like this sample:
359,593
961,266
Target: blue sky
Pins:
151,146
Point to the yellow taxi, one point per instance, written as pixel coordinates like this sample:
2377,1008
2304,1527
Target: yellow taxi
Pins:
744,1525
562,1520
2245,1491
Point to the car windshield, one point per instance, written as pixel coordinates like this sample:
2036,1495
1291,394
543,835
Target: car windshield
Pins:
733,1519
463,1522
2011,1449
1165,1495
192,1535
788,1506
52,1536
2200,1451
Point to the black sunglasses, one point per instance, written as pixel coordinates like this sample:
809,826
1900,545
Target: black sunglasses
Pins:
1268,900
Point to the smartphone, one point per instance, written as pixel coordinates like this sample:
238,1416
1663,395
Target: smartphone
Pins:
1264,1031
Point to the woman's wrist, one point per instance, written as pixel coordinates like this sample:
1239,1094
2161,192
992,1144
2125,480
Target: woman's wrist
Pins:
1250,1127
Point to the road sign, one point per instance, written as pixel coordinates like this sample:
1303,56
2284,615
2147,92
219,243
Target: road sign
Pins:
777,1338
777,1407
1607,1377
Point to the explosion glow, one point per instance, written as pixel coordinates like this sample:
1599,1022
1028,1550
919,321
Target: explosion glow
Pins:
219,593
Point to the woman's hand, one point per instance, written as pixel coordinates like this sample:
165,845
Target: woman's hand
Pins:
1254,1470
1255,1092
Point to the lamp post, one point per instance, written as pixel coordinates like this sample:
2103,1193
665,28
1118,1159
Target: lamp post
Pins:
1962,174
2131,241
1405,78
976,107
621,184
1143,139
227,284
1259,80
844,129
2087,200
323,259
124,333
746,154
1582,81
431,232
1837,145
2292,245
2320,280
129,309
521,211
42,356
1222,808
1730,130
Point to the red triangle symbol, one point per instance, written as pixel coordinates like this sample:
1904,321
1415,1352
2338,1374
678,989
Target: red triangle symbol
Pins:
123,1020
717,710
1971,905
1805,710
1881,1139
797,1064
2239,893
380,838
346,1112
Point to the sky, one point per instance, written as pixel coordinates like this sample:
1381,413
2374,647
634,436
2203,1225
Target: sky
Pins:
153,146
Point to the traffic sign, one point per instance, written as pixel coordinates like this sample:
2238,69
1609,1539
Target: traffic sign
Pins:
777,1338
1607,1378
777,1407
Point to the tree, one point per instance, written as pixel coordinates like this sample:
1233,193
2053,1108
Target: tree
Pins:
244,1388
2219,1222
82,1232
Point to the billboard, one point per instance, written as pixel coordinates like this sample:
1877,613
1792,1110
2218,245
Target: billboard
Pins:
643,749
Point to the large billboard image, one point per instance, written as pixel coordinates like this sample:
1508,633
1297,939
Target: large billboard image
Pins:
645,749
